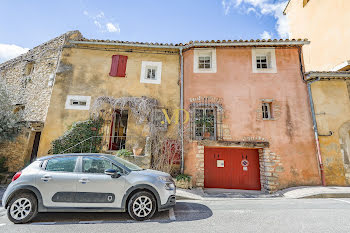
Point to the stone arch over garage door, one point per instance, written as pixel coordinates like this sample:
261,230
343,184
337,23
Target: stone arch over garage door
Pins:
344,139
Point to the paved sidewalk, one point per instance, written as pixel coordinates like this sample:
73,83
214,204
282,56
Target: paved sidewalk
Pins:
317,192
295,193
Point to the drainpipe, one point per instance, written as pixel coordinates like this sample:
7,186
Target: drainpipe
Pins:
182,107
316,131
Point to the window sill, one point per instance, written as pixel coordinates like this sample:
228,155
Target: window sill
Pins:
150,81
269,119
265,71
201,71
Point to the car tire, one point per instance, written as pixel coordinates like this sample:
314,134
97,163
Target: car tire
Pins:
142,206
22,208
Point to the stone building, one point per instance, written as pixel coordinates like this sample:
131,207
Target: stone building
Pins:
29,80
327,60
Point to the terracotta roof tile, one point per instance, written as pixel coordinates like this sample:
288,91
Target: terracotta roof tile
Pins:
199,42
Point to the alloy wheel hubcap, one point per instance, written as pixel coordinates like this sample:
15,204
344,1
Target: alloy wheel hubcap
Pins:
21,208
142,206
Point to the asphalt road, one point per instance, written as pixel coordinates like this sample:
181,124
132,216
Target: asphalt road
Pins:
253,215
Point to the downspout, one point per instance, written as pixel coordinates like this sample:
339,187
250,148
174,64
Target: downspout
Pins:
182,108
316,131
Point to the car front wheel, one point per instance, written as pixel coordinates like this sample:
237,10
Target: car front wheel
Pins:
142,206
22,208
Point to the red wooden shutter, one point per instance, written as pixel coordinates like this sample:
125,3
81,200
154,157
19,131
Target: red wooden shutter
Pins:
122,66
114,66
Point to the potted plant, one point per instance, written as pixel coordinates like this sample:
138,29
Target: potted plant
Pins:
183,181
208,123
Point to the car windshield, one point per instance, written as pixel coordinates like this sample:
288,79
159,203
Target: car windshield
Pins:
127,164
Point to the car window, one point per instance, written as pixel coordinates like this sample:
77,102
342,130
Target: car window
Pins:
62,164
129,165
97,165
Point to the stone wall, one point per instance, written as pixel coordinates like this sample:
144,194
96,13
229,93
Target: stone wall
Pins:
270,167
32,88
29,80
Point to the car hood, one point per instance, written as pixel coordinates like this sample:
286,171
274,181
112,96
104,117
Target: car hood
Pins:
150,172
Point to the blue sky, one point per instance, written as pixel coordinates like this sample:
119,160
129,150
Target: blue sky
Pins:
25,24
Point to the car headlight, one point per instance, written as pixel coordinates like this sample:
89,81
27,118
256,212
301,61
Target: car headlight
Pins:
169,186
168,182
165,179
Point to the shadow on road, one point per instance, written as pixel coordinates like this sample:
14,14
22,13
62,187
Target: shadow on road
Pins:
183,211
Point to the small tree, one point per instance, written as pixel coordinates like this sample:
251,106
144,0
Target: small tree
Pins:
10,122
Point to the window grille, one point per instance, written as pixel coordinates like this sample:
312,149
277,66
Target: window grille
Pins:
261,62
266,111
151,73
204,62
206,121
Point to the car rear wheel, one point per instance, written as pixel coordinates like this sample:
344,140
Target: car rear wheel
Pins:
22,208
142,206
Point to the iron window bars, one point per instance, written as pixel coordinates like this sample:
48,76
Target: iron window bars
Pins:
206,120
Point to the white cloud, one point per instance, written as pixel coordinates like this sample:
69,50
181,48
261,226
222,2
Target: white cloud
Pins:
9,51
264,7
112,27
97,24
102,22
265,35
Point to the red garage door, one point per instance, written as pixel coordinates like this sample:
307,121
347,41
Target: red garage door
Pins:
231,168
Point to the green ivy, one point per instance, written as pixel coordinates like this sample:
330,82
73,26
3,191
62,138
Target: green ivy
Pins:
77,133
123,152
183,177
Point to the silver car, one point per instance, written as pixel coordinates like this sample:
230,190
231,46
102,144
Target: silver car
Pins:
87,183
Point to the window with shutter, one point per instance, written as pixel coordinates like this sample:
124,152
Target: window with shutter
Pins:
118,66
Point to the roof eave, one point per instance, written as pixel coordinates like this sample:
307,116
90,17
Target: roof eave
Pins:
284,11
262,43
313,75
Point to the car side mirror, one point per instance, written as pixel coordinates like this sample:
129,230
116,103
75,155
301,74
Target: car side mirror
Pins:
113,173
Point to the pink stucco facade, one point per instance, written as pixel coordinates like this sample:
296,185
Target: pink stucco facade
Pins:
288,157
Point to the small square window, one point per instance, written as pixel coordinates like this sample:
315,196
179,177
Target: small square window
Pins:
266,111
204,62
151,73
77,102
261,62
264,60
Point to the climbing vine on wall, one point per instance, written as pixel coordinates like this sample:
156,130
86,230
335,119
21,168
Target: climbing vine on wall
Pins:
83,136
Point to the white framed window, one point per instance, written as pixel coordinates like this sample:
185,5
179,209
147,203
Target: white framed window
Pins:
204,61
151,72
266,110
264,60
78,102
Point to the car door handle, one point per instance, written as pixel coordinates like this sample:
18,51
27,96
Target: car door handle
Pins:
46,178
84,180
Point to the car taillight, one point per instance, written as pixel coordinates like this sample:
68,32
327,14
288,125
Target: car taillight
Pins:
16,176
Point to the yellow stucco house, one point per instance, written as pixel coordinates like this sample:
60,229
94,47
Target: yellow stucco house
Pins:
327,62
127,85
